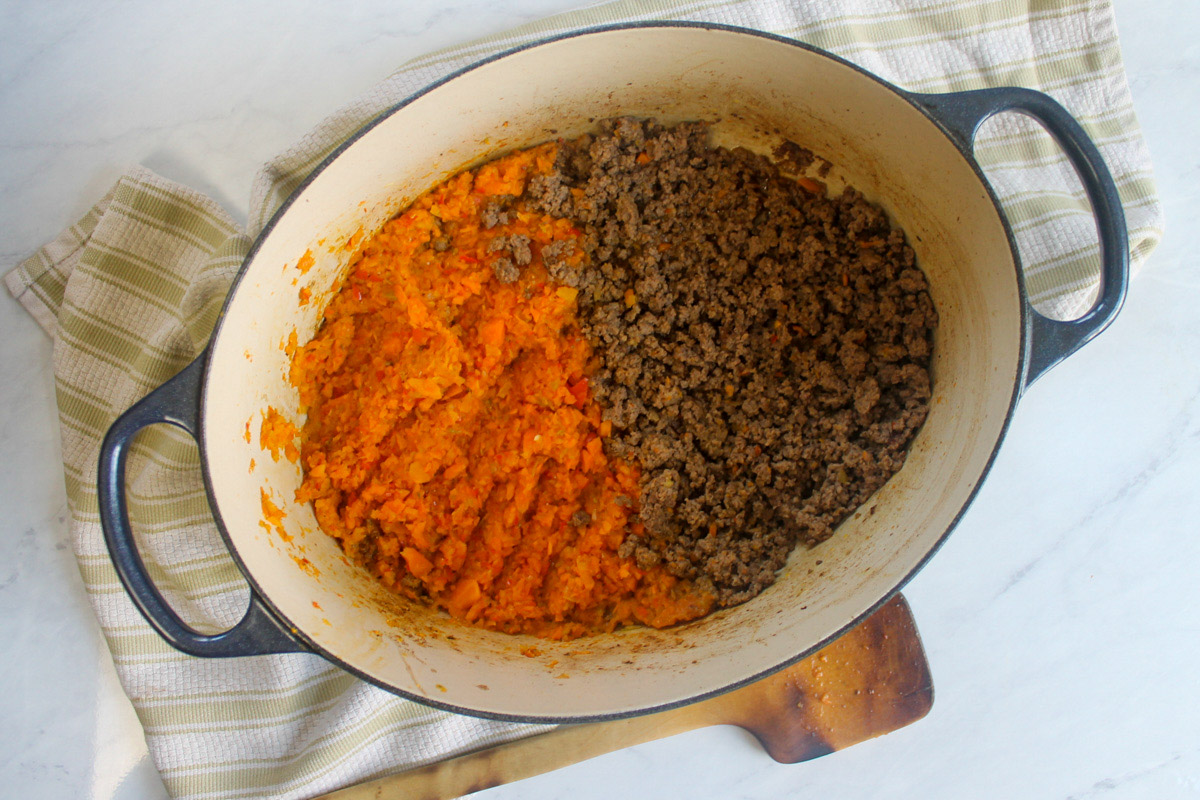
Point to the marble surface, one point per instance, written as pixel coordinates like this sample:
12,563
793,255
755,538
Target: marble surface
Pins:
1060,619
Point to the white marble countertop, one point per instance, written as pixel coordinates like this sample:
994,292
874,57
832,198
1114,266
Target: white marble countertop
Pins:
1060,619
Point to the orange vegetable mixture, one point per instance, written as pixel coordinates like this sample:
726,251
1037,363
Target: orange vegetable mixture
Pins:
452,445
277,435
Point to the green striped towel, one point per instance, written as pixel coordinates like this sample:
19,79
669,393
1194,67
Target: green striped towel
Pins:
130,294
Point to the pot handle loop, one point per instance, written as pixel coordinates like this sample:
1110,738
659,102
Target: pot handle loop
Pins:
176,402
1050,341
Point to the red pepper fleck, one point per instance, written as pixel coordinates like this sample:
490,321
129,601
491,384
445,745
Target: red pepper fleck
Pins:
578,390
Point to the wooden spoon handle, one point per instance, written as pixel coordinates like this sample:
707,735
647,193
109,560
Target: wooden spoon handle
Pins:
514,761
871,681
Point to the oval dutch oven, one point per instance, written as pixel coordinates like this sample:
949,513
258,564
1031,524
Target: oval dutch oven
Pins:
910,152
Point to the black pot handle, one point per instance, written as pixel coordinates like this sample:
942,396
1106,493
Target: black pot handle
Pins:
176,402
1050,341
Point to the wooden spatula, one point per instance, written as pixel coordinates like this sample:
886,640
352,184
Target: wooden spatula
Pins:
871,681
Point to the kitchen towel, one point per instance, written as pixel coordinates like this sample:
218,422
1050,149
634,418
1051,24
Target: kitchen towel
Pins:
130,294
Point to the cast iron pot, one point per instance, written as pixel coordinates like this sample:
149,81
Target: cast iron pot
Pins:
910,152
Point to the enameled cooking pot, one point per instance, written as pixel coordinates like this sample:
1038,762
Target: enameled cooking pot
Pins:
909,152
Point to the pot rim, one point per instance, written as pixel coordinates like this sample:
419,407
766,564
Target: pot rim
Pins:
300,635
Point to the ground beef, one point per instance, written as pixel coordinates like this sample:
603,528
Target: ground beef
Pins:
507,268
496,211
791,157
763,350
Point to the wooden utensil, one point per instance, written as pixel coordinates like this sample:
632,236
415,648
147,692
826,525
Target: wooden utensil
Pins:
871,681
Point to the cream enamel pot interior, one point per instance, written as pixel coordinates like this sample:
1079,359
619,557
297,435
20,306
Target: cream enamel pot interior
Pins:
909,152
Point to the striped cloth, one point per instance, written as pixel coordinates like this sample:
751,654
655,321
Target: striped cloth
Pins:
130,294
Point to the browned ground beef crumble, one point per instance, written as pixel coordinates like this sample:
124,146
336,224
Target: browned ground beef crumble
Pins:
763,350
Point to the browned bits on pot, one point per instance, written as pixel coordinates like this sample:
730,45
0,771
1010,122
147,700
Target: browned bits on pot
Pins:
763,349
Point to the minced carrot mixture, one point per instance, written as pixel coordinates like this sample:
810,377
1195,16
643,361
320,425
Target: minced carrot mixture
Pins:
452,445
277,435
